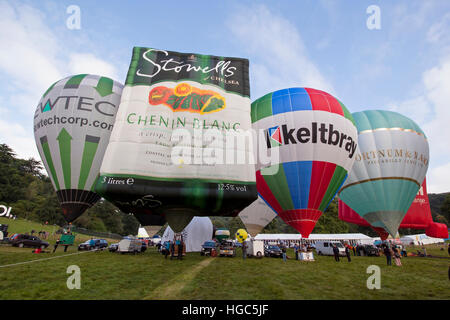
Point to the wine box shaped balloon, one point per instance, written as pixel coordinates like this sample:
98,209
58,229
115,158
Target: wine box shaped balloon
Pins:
167,153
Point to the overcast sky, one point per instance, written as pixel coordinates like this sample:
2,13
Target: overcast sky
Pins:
404,66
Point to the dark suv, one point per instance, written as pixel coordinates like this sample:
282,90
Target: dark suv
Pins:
93,244
25,240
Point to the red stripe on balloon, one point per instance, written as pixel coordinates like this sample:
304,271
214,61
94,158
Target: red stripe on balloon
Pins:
321,175
321,100
266,194
302,220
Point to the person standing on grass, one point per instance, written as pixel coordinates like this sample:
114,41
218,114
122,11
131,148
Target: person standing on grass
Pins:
336,253
244,250
347,253
180,249
424,250
396,256
166,249
172,250
387,253
283,252
354,249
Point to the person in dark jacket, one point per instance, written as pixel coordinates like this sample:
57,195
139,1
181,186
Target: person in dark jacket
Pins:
354,250
244,250
180,249
336,253
172,250
347,253
387,253
283,251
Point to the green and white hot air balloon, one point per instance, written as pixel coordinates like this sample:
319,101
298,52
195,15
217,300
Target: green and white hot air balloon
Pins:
72,125
390,165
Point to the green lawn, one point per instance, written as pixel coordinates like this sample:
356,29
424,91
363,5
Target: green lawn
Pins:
106,275
23,226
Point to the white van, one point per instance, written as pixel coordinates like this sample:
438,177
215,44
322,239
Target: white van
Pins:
255,248
326,248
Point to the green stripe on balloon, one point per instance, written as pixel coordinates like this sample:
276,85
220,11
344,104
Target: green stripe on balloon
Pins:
51,87
89,151
277,183
347,113
262,108
48,158
74,82
335,183
65,148
104,86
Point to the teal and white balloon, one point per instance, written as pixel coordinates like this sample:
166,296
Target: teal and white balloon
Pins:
390,165
72,125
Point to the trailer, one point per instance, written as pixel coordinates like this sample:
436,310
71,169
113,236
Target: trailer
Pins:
255,248
129,245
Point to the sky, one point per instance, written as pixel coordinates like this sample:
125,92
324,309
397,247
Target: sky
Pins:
403,66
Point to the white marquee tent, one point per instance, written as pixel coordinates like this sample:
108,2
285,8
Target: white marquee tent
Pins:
199,230
292,238
419,239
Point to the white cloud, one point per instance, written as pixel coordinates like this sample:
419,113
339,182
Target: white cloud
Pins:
280,59
33,56
88,63
431,110
438,32
19,139
438,179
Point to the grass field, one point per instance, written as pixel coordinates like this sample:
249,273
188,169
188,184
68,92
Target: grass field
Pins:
22,226
106,275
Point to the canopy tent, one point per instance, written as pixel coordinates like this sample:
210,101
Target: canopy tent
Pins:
419,239
293,238
142,233
199,230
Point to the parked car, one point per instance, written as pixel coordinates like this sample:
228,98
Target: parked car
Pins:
371,250
326,248
227,249
272,251
209,247
24,240
113,247
93,244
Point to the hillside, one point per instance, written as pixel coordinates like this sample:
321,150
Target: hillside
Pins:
30,193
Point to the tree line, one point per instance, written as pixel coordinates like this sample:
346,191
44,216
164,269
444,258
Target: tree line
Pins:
30,193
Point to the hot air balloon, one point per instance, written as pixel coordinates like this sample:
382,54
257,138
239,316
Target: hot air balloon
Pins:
390,165
256,216
222,234
315,139
72,126
163,158
417,217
